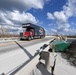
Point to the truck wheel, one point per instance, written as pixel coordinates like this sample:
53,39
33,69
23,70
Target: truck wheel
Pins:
40,37
21,39
32,38
29,38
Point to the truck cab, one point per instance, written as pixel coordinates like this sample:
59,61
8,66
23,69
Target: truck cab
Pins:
28,33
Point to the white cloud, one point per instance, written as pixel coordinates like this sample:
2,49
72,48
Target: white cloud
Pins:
4,19
13,12
70,8
61,17
22,5
22,17
71,32
13,20
54,30
50,16
35,3
11,17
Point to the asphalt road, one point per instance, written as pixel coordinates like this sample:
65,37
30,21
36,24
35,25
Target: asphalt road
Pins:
14,54
14,45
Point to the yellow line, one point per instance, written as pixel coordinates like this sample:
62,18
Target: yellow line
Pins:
11,43
5,44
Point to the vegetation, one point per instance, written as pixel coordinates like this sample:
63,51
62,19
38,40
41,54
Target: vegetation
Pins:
4,33
72,36
8,36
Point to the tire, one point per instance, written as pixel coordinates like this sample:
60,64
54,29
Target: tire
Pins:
21,39
29,38
32,38
40,37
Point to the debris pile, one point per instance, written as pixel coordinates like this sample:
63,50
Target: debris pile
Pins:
71,53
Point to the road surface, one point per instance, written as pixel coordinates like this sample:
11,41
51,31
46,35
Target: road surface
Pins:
14,54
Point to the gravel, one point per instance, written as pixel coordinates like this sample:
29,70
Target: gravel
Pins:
71,53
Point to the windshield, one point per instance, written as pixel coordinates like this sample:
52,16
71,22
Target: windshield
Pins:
26,29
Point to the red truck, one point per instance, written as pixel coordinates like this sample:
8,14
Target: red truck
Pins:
31,31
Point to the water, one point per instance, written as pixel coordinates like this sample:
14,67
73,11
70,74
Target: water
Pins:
69,40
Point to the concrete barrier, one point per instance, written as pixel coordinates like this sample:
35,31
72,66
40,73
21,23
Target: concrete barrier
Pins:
27,68
31,65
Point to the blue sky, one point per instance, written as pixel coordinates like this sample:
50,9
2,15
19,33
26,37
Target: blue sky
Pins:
55,16
41,15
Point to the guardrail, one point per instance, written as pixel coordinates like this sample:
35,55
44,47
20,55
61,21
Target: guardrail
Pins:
29,65
32,63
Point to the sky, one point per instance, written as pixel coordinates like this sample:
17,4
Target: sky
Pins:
55,16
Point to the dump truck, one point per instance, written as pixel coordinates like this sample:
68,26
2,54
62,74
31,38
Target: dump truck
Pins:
31,31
